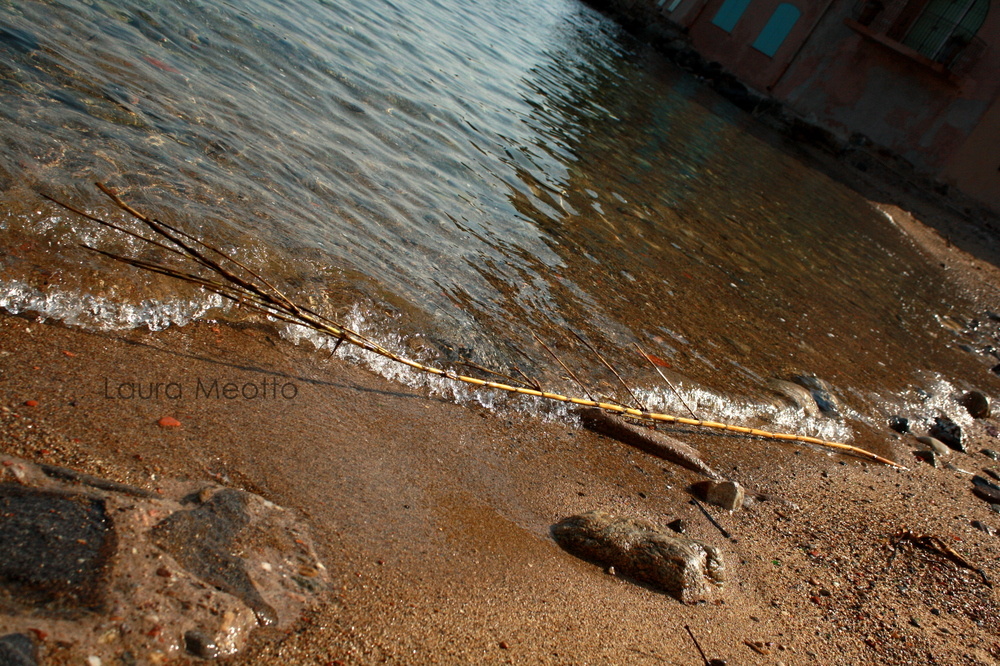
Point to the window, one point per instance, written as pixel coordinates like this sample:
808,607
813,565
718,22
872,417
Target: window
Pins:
778,26
730,13
945,27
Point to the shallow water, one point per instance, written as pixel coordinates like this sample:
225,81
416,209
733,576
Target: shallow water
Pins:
450,176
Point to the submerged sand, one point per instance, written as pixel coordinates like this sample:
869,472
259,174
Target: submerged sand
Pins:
433,518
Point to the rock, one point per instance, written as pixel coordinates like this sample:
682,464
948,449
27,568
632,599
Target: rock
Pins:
645,439
986,490
78,558
935,445
55,549
977,403
17,650
679,525
686,569
992,473
201,645
990,453
202,541
796,395
983,527
726,494
929,457
169,422
822,392
948,432
899,424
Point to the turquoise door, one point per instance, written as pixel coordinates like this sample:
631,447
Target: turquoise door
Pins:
729,14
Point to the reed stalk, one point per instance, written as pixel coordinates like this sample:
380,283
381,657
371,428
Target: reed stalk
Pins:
216,271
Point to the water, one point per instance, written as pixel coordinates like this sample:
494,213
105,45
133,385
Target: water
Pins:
451,175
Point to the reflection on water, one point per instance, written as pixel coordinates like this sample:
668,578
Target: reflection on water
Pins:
466,171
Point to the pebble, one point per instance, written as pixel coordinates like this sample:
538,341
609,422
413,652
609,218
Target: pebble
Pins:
990,453
726,494
169,422
983,527
929,457
948,432
935,444
201,645
977,403
31,403
679,525
899,424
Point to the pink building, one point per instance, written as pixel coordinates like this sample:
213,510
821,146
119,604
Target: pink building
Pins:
919,77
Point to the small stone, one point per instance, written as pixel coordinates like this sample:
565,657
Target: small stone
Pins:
679,525
978,404
948,432
990,453
504,645
935,445
31,403
199,644
929,457
899,424
993,473
985,490
726,494
983,527
169,422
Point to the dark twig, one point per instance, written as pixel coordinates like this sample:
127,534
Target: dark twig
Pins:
596,353
583,387
711,519
696,644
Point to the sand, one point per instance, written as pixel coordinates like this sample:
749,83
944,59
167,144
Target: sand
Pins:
433,518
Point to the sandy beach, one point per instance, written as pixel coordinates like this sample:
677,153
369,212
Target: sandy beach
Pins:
433,518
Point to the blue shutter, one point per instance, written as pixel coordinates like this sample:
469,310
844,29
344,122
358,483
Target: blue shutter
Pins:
778,26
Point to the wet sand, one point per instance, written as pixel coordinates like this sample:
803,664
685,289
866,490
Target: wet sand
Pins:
434,518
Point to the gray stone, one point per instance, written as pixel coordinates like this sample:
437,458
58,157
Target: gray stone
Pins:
201,540
796,395
726,494
821,392
686,569
17,650
990,453
935,444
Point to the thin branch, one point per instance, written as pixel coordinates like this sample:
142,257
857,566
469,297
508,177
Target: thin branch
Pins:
664,378
635,398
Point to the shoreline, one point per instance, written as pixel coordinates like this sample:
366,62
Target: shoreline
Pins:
433,518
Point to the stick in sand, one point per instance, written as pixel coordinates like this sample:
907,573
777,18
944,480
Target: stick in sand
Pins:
217,272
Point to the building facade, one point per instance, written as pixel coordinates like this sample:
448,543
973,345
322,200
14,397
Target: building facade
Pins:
918,77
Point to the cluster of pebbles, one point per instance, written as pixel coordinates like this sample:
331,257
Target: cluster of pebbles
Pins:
97,572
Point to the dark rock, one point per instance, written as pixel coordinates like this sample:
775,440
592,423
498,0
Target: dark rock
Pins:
17,650
990,453
993,473
899,424
995,369
978,404
201,645
948,432
684,568
983,527
55,551
726,494
929,457
201,540
679,525
985,490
